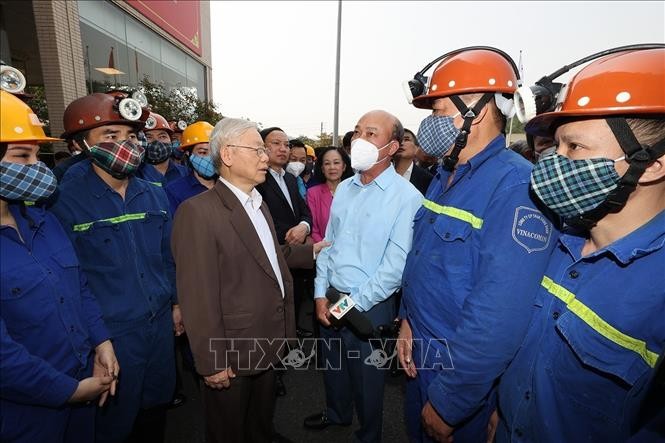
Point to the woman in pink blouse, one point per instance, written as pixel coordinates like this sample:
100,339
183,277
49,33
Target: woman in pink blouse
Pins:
332,166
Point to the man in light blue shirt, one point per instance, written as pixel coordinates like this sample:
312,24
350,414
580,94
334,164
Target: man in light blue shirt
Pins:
370,229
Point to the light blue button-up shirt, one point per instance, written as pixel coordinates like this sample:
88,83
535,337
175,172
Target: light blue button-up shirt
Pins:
370,229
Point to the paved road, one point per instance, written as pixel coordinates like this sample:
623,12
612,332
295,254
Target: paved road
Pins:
305,396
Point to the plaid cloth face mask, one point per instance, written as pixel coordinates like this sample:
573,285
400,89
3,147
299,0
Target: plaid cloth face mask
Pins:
20,182
120,159
437,134
573,187
157,152
203,166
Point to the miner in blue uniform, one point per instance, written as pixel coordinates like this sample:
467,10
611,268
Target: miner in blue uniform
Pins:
598,322
55,352
155,141
195,142
120,227
479,250
158,151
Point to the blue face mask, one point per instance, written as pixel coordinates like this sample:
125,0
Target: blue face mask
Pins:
176,152
203,166
437,134
26,182
142,140
157,152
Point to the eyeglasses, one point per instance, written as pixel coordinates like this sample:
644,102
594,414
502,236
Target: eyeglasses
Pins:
278,144
260,151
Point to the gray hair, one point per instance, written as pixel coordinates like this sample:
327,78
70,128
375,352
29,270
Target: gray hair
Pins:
226,131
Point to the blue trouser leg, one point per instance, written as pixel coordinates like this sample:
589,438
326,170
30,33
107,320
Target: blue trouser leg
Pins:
336,377
368,384
473,429
81,423
352,380
147,377
416,397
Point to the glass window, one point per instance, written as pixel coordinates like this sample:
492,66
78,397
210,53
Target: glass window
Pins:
137,52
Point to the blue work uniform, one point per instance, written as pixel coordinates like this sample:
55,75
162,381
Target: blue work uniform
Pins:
598,327
124,250
183,188
150,173
77,169
50,324
480,248
370,231
61,168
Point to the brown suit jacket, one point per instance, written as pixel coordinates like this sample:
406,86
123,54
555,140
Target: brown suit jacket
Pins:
230,299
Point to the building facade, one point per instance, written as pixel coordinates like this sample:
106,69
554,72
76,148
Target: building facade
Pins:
73,48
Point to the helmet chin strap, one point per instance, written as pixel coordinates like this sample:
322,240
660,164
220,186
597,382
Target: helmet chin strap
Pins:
469,114
638,156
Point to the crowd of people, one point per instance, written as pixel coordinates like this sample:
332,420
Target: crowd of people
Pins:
527,283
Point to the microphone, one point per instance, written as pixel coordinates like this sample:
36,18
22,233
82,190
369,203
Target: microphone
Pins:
344,308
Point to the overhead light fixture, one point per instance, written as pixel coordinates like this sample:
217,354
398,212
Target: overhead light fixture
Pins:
110,69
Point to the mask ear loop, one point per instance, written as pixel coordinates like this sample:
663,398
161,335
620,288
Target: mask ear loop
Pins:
470,115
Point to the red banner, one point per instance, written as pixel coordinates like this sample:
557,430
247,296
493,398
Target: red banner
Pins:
179,18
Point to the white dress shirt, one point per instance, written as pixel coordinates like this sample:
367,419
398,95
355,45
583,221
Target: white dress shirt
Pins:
252,205
279,178
407,173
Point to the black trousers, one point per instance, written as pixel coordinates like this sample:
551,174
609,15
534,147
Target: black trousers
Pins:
243,412
303,289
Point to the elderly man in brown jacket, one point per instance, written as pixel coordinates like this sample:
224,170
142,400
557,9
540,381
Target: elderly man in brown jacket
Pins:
234,287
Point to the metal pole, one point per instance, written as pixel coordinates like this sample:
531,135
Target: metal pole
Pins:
87,56
339,48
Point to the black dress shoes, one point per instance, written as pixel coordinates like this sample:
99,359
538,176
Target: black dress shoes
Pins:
178,400
303,333
318,422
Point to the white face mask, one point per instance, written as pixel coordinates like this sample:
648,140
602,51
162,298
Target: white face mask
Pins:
364,154
295,168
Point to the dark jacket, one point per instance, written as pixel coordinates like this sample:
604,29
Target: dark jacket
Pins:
420,178
283,216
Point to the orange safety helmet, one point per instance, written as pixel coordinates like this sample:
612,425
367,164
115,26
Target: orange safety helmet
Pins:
627,83
18,123
468,72
156,122
310,152
100,109
197,132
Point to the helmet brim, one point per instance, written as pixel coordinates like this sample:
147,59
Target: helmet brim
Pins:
544,125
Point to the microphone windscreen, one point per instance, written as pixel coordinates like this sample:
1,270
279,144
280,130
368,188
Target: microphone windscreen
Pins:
332,295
